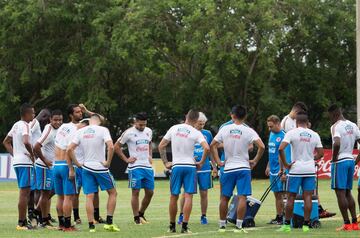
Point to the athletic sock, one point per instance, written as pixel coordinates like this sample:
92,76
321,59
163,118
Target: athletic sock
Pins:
354,220
76,214
21,222
222,223
279,218
172,225
137,218
96,214
203,215
91,225
109,220
30,211
181,214
67,222
287,222
239,223
184,225
141,214
61,220
346,221
306,223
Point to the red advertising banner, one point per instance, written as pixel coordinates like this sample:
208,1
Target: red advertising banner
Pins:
324,171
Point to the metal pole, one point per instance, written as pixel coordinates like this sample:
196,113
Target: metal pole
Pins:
358,61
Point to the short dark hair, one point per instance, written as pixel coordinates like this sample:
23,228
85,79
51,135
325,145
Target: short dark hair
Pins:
24,108
302,117
56,112
192,115
141,116
70,109
239,111
301,106
334,108
274,119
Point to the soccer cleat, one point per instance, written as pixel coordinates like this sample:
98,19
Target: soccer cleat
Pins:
284,228
172,229
78,221
137,221
92,230
345,227
112,228
358,218
240,230
273,222
186,230
100,221
181,218
326,214
355,227
143,220
305,228
24,227
222,229
48,226
204,220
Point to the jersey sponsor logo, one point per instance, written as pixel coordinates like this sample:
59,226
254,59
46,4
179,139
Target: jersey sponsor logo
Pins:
183,132
235,133
142,142
278,139
349,130
305,136
142,148
89,133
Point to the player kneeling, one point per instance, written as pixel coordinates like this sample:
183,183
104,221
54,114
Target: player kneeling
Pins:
93,139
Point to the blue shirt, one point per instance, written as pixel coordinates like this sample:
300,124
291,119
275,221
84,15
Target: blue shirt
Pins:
198,152
275,140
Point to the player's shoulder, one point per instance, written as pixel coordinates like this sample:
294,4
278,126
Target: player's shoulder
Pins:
147,130
226,123
34,123
48,128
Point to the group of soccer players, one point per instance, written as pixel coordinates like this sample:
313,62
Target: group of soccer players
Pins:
67,156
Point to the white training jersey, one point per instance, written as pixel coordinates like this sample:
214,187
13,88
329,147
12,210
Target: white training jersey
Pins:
303,142
138,143
236,140
287,123
20,153
64,136
93,139
47,141
35,131
183,138
349,133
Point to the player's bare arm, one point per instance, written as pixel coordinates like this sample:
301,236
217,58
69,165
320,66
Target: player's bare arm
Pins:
39,154
28,146
336,149
8,145
162,151
214,151
110,153
119,151
260,151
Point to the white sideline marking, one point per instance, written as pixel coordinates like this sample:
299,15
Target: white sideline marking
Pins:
208,232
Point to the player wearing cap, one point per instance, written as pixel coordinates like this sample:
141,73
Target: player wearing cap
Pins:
344,134
303,143
183,138
141,174
95,173
18,144
236,139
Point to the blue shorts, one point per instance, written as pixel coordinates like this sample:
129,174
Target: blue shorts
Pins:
183,176
141,178
278,187
33,179
294,183
44,178
204,180
62,184
92,181
241,179
342,174
23,175
78,174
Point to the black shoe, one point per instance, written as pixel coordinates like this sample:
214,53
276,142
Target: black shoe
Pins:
273,222
186,230
137,221
172,229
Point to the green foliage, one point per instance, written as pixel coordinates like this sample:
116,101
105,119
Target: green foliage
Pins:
164,57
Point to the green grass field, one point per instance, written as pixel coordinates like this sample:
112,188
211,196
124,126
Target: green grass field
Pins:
157,214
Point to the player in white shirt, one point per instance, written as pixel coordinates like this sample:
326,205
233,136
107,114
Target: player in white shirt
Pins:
303,143
141,174
236,139
183,138
95,173
344,134
18,144
45,150
63,170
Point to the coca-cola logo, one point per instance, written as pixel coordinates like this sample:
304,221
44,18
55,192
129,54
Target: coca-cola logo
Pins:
324,165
